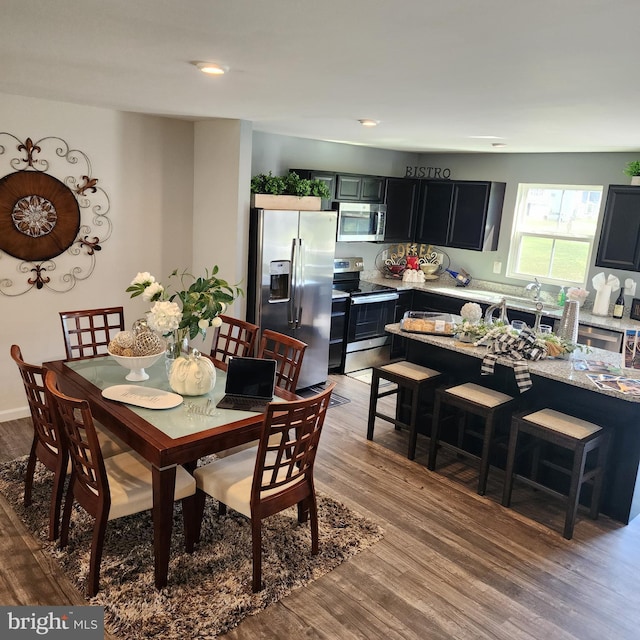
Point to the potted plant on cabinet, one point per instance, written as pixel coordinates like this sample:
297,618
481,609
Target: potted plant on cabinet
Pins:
287,192
633,170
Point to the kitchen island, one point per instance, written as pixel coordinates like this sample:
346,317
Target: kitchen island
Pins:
558,385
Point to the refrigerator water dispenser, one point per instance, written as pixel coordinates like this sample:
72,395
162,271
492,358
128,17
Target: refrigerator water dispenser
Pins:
280,280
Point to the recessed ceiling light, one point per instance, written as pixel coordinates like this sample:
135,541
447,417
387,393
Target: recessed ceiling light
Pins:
211,68
498,144
366,122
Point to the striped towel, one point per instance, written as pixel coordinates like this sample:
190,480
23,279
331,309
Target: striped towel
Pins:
519,348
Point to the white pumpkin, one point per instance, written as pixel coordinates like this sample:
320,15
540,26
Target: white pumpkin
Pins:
192,375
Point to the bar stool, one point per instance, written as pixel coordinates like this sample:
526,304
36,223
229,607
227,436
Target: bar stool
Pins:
470,399
415,379
580,437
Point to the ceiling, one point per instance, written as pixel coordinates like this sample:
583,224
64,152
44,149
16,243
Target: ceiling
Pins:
545,76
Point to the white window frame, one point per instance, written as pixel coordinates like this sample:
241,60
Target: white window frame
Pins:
517,235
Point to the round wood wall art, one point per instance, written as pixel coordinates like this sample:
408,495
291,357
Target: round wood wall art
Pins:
54,216
39,216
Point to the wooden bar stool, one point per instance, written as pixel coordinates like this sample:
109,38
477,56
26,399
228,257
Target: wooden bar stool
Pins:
415,379
576,435
470,399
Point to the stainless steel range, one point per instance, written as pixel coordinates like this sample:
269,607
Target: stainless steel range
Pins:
372,306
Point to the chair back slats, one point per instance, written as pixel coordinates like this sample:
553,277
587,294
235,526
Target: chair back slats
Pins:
89,484
233,338
287,449
87,333
43,424
288,352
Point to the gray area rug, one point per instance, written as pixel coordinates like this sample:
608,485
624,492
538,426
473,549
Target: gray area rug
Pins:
209,592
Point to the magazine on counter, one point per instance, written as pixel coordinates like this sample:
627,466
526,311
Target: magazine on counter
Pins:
631,351
597,366
607,382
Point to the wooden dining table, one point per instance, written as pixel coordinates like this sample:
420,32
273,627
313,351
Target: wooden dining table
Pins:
164,437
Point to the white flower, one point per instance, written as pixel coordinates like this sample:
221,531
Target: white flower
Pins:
153,290
216,322
223,308
164,316
143,277
203,324
471,311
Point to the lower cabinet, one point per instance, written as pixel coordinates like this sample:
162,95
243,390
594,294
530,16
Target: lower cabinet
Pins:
338,335
398,343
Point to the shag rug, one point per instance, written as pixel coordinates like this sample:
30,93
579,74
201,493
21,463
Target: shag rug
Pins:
209,591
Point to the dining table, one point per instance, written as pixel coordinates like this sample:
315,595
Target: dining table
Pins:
165,437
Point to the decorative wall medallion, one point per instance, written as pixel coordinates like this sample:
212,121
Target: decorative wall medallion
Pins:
53,216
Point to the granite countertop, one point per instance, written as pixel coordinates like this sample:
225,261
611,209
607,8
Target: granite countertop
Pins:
560,369
492,292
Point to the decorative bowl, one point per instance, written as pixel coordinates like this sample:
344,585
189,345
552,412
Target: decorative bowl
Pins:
396,269
429,268
136,365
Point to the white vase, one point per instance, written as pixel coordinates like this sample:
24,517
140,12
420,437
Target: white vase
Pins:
635,180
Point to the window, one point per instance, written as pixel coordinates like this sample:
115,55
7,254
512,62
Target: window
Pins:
553,231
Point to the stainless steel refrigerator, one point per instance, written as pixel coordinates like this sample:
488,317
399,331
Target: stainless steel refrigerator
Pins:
290,281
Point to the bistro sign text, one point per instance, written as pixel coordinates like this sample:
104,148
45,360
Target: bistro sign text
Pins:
427,172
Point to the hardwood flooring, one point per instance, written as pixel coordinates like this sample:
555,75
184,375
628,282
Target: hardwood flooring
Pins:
452,564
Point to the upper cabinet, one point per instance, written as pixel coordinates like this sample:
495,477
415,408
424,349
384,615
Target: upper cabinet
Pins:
401,198
348,186
360,188
619,246
460,214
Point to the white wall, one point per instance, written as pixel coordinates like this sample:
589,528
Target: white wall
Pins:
145,164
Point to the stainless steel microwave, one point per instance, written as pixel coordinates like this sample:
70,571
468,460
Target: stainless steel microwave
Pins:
361,222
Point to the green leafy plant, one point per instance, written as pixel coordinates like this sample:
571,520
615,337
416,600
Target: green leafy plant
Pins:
290,185
632,168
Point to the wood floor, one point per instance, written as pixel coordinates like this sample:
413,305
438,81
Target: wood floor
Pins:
452,564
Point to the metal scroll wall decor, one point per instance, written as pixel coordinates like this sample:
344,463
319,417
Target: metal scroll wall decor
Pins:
53,215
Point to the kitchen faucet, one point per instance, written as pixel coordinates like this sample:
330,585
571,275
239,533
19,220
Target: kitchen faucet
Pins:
534,286
502,306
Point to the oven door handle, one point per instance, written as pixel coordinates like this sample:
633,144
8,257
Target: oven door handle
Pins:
376,297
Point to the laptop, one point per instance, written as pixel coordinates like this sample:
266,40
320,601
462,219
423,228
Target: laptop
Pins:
250,384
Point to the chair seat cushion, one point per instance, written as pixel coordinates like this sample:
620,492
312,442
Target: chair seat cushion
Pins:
479,395
130,484
563,423
110,445
229,479
410,370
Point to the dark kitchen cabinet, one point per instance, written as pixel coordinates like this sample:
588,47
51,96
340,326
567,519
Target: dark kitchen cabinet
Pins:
619,246
398,343
460,214
337,336
401,198
359,188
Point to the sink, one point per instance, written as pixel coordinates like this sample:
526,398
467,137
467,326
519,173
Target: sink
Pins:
492,297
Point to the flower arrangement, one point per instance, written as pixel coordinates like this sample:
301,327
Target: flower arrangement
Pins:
201,302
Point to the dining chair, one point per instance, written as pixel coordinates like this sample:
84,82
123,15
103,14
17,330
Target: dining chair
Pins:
233,338
264,480
49,444
288,352
106,488
87,333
